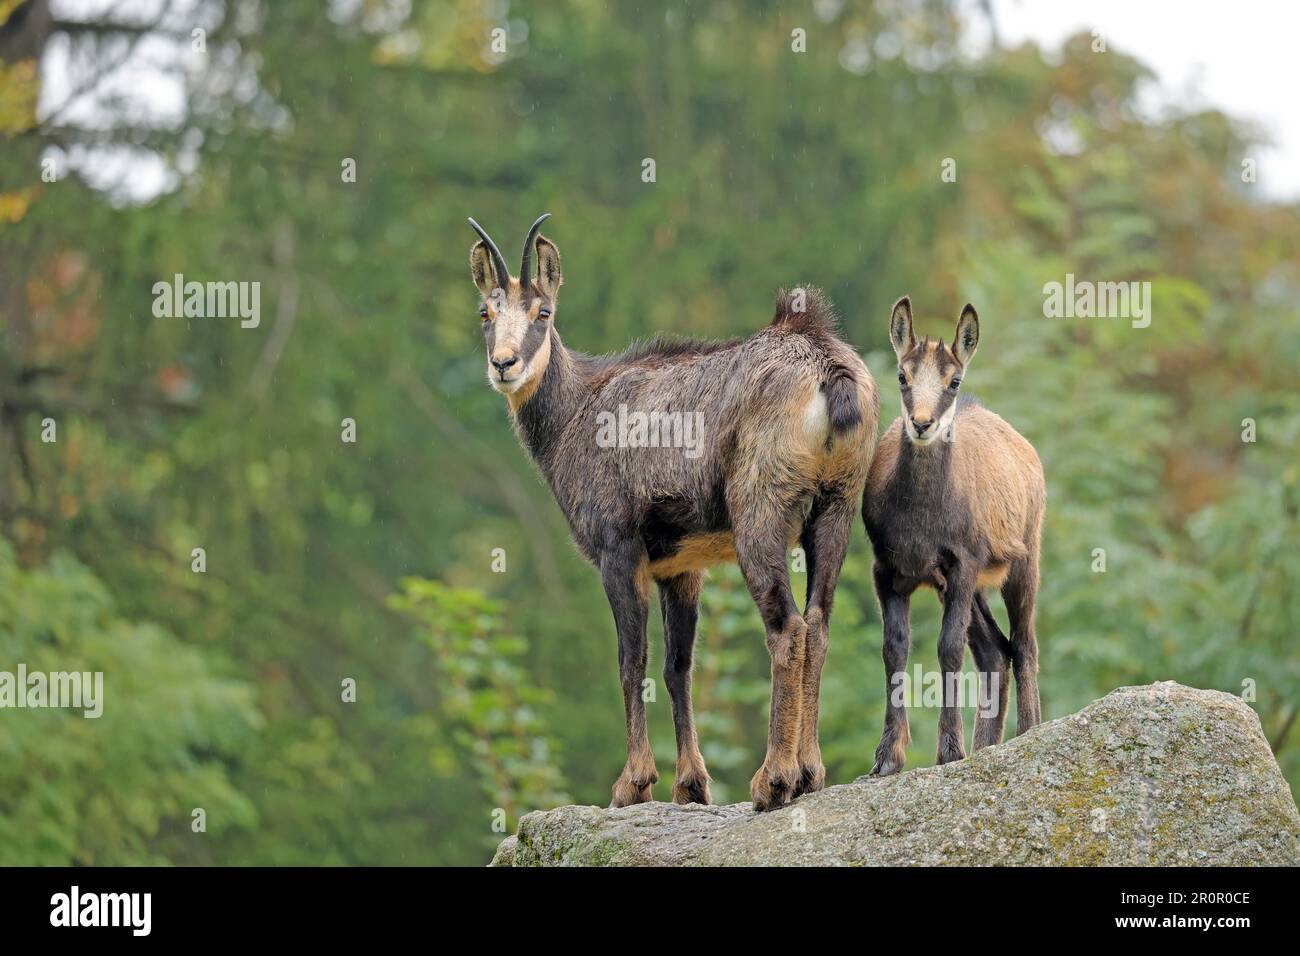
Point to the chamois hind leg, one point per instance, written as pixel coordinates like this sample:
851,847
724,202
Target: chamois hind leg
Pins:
825,540
760,551
958,593
622,571
1020,593
895,608
679,600
991,650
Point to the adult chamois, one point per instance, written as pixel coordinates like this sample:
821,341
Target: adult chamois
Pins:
954,501
768,441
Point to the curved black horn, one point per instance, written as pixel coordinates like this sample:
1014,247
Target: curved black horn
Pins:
526,266
498,261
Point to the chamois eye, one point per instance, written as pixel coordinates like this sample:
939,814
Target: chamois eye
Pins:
902,379
954,383
482,311
543,313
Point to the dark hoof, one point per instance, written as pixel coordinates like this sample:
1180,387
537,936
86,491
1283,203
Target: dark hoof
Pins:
691,790
772,789
986,738
629,790
811,779
889,759
950,751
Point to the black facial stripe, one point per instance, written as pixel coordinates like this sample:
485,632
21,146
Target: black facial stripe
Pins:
945,400
533,339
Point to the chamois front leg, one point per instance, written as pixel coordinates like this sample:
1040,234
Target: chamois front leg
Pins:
825,541
895,607
760,551
679,600
958,594
622,571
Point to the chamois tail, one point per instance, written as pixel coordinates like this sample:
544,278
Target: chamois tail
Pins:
843,401
805,310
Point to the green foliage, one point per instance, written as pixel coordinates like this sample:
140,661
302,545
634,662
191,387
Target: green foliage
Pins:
117,789
489,714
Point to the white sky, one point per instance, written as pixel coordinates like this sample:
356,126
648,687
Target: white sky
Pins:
1239,56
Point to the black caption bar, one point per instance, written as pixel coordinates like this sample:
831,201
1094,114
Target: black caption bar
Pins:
134,906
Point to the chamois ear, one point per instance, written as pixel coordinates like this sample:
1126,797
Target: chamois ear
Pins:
548,276
900,327
967,335
480,268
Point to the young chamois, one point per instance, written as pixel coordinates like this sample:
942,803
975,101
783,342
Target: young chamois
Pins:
954,502
784,423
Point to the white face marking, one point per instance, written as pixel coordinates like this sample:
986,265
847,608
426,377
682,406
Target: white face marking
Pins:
505,386
927,390
510,324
